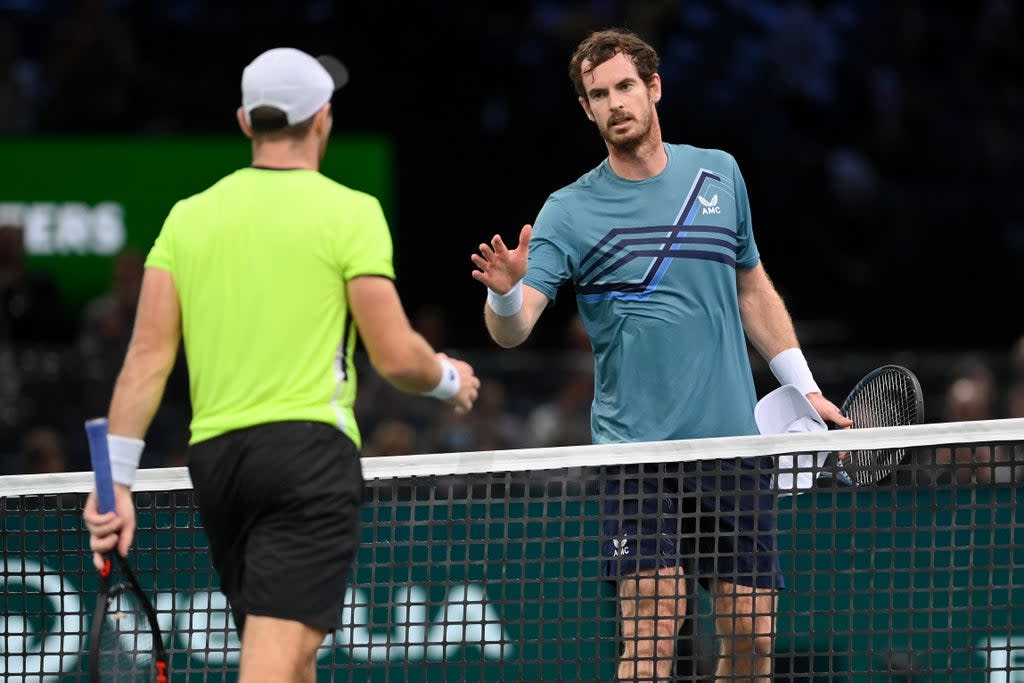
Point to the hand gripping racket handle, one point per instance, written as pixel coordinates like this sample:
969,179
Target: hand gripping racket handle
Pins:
96,431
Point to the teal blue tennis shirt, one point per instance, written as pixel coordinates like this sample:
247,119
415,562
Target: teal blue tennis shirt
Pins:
653,265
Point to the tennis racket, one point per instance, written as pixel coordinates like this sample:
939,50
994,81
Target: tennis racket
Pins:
125,643
889,396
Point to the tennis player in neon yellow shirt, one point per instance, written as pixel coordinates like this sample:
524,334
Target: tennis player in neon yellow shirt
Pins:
268,276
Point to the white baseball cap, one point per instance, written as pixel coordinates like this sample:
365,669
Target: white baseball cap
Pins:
787,410
292,81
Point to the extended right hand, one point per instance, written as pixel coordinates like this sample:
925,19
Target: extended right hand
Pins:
499,266
469,385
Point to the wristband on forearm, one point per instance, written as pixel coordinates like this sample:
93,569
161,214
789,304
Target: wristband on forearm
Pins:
507,304
449,384
790,367
125,453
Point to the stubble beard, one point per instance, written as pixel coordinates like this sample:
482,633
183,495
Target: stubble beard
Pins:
628,144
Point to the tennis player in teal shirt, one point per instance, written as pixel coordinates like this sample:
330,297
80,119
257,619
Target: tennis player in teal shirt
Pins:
657,244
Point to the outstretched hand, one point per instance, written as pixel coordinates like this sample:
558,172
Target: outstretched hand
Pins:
501,267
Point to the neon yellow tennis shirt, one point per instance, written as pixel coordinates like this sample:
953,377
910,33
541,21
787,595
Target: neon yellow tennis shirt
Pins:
260,261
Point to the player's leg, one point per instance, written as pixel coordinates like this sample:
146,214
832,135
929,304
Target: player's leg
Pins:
741,519
295,489
642,555
745,626
652,605
278,650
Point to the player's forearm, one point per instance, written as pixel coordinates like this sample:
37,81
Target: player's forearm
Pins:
138,392
507,331
767,322
408,363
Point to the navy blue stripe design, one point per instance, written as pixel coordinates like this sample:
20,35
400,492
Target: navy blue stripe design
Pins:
658,237
642,286
667,239
659,254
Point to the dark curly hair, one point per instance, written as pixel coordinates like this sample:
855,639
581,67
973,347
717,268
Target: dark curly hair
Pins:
601,46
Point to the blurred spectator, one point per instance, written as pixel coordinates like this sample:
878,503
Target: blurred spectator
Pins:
491,426
1017,359
42,451
971,395
107,321
564,418
30,301
9,390
1012,455
391,437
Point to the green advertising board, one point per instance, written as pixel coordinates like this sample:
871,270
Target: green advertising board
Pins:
497,590
83,200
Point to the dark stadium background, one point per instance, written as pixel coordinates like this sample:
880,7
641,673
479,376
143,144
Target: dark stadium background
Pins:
881,142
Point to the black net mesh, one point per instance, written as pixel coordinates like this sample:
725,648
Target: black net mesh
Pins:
503,576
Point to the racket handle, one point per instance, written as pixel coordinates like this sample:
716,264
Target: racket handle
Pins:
96,431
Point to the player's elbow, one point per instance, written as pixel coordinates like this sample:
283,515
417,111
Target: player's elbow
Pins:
505,333
506,340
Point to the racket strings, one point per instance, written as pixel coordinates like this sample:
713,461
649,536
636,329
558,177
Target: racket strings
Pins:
889,399
126,643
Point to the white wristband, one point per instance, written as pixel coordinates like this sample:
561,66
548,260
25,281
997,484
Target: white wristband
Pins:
790,367
125,453
449,384
507,304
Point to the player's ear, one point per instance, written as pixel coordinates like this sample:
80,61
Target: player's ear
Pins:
655,88
242,123
323,121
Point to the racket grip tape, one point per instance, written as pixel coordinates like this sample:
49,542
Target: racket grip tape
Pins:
96,431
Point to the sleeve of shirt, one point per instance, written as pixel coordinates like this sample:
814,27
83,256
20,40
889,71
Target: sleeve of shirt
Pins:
161,254
550,262
364,247
747,254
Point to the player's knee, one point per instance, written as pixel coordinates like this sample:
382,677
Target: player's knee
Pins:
762,645
742,644
743,636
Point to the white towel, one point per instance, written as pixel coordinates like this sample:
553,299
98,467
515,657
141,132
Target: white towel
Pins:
787,410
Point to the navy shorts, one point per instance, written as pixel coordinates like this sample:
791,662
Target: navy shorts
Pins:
715,518
280,504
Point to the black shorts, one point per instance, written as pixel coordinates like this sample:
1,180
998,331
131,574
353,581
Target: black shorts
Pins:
280,506
713,518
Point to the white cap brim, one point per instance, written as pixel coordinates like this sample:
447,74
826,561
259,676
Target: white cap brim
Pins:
787,410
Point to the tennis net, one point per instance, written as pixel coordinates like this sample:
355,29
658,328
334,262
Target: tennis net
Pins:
490,566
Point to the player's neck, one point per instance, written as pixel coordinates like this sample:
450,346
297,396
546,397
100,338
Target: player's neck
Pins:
646,160
285,154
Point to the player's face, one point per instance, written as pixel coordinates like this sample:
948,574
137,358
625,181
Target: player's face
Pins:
621,104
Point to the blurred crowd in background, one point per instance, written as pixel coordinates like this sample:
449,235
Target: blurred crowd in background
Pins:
881,143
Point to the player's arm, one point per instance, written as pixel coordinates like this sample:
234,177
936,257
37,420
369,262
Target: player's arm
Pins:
512,308
512,330
399,353
765,317
151,355
140,385
769,327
